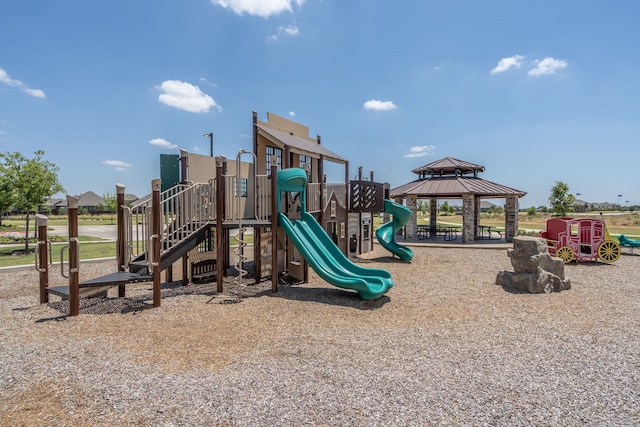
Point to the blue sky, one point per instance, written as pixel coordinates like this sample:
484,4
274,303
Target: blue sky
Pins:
537,92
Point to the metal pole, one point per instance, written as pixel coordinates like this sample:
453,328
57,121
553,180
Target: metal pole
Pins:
210,135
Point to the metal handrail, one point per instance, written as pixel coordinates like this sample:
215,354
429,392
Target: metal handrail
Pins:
38,267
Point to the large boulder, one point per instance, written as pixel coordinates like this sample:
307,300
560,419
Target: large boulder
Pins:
535,270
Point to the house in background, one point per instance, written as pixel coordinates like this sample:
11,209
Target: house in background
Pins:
88,202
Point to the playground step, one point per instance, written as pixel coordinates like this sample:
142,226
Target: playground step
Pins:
98,287
93,292
139,267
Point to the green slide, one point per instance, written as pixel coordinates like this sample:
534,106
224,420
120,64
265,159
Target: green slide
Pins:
386,232
329,262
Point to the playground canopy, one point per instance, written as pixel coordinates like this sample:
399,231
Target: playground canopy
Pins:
450,178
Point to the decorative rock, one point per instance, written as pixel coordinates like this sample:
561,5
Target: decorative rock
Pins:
536,271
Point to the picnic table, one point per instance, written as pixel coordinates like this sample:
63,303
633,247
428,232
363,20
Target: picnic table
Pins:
448,232
486,232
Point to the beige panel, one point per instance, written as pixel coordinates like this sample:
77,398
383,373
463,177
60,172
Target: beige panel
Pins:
200,168
287,125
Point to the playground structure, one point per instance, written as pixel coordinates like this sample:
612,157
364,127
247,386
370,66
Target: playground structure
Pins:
197,218
319,250
386,232
580,239
626,242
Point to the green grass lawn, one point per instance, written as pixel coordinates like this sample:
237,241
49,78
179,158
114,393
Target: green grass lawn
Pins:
87,251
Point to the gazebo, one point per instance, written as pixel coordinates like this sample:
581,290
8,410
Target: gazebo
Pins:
450,178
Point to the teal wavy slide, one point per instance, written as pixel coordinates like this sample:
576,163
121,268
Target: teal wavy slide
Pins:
329,262
386,232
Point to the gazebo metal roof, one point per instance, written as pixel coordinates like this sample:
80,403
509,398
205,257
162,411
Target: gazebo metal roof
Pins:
449,178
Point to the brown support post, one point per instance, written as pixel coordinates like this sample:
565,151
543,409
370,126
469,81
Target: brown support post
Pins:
219,231
323,181
74,257
184,178
345,249
275,199
121,249
185,270
43,257
255,132
287,158
225,233
156,241
257,259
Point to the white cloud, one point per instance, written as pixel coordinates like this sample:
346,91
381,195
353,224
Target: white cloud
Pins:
292,113
263,8
6,79
118,165
161,142
505,64
290,30
374,104
421,150
185,96
547,67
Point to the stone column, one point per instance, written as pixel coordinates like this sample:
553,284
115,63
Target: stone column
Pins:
433,213
412,225
511,218
476,207
468,218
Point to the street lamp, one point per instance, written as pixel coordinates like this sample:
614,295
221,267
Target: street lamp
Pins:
619,195
210,135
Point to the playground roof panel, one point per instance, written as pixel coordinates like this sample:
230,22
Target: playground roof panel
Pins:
454,187
300,145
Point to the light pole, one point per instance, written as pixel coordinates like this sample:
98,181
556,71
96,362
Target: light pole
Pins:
210,135
619,195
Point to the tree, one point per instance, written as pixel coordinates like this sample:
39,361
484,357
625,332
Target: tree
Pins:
32,182
6,193
561,200
110,202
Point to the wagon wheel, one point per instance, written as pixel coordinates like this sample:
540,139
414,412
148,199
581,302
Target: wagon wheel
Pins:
609,251
565,253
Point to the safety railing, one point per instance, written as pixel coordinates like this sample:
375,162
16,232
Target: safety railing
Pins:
184,209
263,197
313,197
241,201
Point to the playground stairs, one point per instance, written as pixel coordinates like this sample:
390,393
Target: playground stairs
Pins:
138,267
185,225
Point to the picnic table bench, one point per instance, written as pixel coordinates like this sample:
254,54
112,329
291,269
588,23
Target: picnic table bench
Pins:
486,232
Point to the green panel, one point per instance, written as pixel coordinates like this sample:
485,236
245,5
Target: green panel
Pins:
169,170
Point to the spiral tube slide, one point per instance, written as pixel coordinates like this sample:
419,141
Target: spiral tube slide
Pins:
386,232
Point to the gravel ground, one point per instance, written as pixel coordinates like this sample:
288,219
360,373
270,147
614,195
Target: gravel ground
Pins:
445,346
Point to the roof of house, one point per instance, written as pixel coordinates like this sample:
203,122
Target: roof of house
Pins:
90,199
